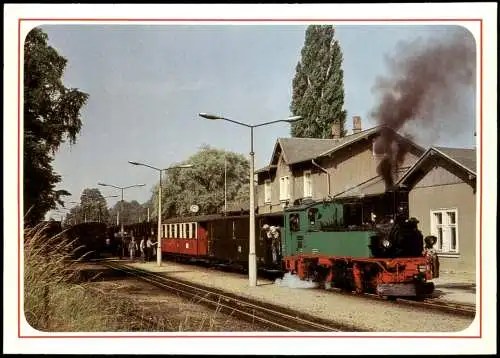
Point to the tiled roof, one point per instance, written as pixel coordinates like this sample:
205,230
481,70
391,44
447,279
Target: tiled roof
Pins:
265,169
296,150
464,156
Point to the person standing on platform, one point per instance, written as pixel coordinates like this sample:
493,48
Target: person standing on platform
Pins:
132,248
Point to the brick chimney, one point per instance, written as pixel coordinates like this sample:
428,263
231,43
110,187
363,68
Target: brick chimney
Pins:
356,124
335,130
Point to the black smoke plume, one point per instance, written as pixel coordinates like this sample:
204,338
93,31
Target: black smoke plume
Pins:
424,77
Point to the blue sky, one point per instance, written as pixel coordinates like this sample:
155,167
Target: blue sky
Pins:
147,84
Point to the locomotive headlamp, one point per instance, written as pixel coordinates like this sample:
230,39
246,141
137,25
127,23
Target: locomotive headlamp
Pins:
422,268
386,243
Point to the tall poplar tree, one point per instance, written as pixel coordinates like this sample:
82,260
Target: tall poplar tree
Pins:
318,85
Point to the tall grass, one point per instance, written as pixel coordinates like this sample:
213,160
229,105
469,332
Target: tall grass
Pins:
56,299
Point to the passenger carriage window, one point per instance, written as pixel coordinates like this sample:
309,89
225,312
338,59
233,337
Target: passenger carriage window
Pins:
175,230
188,226
193,226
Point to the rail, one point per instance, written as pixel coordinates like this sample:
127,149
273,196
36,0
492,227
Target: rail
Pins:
277,318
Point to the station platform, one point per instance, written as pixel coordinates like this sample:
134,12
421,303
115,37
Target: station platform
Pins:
456,287
368,315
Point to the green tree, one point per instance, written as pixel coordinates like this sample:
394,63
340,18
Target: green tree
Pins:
130,213
92,207
74,216
203,184
318,85
51,116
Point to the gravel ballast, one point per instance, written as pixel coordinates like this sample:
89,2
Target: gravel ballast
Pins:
369,315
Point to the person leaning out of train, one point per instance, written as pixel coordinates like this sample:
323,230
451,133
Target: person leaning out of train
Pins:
132,248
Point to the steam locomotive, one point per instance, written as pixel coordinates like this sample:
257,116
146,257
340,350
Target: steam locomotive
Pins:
363,244
366,245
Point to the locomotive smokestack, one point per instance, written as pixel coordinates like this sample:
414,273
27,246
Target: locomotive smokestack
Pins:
424,77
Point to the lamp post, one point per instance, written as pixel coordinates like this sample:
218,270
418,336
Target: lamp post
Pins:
121,202
252,259
158,248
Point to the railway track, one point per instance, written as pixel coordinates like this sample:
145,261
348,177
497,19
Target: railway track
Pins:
454,308
270,316
440,305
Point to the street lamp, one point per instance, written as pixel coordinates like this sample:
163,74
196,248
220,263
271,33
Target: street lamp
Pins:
121,203
252,259
158,249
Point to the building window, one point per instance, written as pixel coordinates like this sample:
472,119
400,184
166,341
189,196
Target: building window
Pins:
307,184
284,188
445,227
267,191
